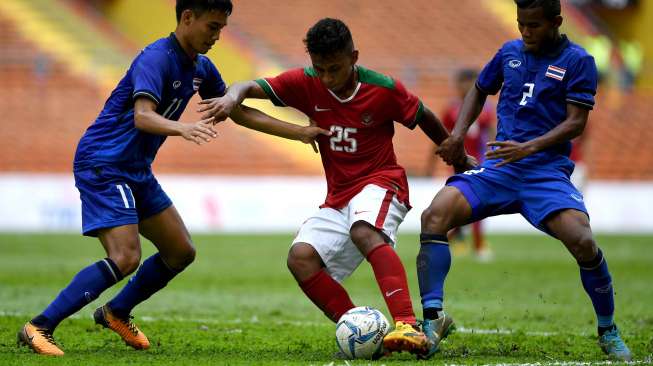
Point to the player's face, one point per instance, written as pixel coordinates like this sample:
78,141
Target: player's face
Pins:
204,29
536,30
335,71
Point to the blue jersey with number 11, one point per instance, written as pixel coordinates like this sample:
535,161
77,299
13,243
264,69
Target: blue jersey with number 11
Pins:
535,91
162,72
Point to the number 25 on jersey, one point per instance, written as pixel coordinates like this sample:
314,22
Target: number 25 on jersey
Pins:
342,139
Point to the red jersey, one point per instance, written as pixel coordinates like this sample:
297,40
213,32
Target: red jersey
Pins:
360,151
477,135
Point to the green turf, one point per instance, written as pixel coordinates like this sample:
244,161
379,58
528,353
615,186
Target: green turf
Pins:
238,305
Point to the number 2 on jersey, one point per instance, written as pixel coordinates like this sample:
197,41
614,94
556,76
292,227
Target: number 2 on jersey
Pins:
342,140
527,94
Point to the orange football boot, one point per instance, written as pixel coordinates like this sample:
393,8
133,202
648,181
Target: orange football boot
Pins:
127,330
40,340
405,337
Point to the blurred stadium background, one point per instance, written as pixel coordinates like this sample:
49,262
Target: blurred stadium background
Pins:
59,59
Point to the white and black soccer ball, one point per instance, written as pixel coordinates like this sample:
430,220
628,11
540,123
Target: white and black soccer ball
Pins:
360,332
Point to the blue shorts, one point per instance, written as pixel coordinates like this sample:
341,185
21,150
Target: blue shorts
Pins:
113,196
535,192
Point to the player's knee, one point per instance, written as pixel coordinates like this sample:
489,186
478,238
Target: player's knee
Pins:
434,220
186,257
127,260
182,257
363,234
302,260
585,248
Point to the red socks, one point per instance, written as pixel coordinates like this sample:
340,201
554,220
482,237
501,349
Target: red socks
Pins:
391,277
327,294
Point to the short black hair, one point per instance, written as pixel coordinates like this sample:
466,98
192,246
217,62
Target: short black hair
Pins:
551,7
466,75
200,6
327,37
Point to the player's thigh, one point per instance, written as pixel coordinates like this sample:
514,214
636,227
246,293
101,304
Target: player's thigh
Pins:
106,199
374,215
327,231
545,196
472,196
166,230
448,209
572,228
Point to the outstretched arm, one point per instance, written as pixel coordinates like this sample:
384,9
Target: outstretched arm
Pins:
220,108
146,119
256,120
452,150
436,131
570,128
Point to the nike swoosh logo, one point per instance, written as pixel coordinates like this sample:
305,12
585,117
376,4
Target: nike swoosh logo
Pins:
360,212
318,109
390,293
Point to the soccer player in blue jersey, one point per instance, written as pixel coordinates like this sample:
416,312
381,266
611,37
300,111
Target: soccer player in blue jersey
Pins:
121,198
547,86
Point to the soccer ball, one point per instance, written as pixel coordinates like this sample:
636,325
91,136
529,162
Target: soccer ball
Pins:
360,332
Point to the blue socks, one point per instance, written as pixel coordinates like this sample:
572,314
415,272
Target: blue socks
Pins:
152,276
598,284
433,264
85,287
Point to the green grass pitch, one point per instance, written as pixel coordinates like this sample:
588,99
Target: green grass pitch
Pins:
238,305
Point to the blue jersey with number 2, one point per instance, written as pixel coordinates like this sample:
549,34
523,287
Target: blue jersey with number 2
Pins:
535,91
162,72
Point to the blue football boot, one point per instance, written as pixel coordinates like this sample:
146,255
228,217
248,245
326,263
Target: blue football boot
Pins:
613,346
436,330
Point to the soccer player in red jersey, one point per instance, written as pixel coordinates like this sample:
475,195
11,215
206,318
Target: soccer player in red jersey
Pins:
477,136
367,195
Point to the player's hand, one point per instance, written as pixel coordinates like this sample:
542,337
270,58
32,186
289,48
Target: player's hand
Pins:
470,163
310,133
508,151
199,132
452,151
218,108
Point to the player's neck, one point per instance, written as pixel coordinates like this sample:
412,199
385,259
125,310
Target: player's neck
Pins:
185,45
551,45
350,87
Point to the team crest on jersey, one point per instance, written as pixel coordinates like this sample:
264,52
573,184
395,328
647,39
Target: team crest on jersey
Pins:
555,72
196,83
366,118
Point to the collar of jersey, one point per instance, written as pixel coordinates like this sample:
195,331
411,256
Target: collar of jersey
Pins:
348,99
183,56
556,50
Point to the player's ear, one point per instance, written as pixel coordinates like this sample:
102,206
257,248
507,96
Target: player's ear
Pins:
187,16
354,57
557,21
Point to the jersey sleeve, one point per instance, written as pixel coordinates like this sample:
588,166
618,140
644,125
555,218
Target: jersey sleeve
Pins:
409,109
214,86
148,72
491,77
581,86
288,89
